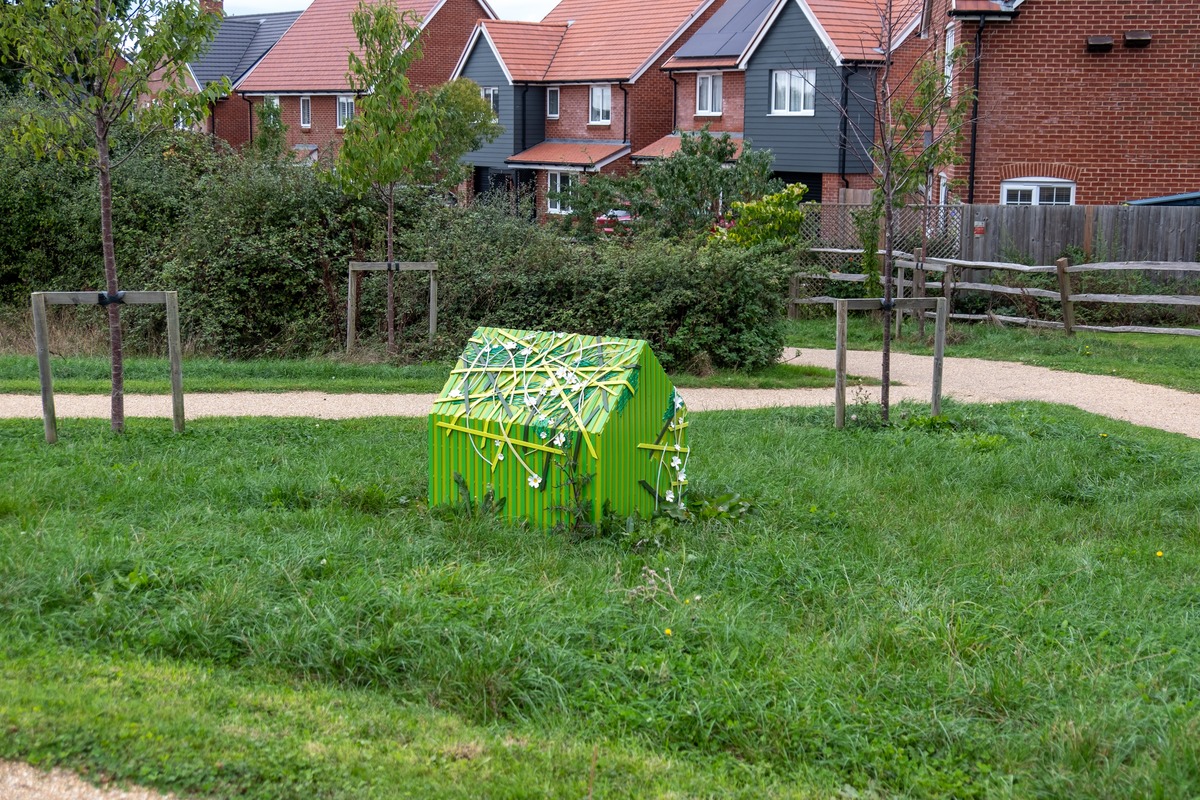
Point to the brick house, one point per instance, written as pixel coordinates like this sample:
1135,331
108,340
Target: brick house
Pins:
577,92
1106,113
239,43
795,76
305,73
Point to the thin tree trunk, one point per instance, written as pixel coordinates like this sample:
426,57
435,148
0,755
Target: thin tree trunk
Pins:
391,294
885,390
110,279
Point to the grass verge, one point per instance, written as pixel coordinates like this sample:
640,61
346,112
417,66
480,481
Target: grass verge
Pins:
969,606
1172,361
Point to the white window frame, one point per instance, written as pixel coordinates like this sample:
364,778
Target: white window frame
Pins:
492,95
709,90
557,181
305,112
1035,186
552,110
345,110
604,117
948,60
808,92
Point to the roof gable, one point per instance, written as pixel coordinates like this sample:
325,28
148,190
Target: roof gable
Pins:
524,49
313,54
851,30
239,43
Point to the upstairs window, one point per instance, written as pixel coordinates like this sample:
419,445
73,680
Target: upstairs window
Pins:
792,91
492,95
1037,192
272,100
552,103
305,112
345,110
948,60
600,107
557,182
708,94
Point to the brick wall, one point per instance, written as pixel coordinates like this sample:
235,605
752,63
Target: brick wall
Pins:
232,120
572,122
831,182
733,102
323,132
1123,124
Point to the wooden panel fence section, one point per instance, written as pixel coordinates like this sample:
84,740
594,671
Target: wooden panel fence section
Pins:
952,268
41,338
1041,234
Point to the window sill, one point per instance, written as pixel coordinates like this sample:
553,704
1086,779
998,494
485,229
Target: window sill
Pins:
791,114
601,124
548,117
707,114
559,213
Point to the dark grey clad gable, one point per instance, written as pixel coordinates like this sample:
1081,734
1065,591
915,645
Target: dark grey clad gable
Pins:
807,143
483,67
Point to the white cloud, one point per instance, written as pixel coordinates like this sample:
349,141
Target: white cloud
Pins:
532,10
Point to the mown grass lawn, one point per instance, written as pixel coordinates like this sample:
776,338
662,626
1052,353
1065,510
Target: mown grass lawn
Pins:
265,608
1164,360
92,375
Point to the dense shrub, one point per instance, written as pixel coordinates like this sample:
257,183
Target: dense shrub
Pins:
696,304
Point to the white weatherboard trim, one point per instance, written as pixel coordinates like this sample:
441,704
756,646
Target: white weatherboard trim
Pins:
456,73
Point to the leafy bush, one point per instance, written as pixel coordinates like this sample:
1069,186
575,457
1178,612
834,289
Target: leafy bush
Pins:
695,304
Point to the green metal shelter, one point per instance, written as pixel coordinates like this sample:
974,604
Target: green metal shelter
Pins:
555,422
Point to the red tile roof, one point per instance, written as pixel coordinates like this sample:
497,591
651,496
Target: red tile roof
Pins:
669,145
312,55
525,48
854,25
589,155
618,39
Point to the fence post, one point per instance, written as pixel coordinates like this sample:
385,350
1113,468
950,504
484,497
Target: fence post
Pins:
939,353
899,296
432,305
919,287
1064,290
41,338
351,309
839,381
175,354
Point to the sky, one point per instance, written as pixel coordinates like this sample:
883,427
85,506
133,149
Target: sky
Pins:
532,10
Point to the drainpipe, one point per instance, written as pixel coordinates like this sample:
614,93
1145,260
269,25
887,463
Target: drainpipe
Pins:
975,112
674,101
625,112
843,136
250,108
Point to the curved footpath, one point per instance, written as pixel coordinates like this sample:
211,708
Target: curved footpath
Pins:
968,380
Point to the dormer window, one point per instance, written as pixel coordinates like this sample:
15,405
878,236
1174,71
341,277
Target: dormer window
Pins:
708,94
600,107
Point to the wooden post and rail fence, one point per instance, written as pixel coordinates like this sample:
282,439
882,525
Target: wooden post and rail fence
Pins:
41,338
911,270
357,268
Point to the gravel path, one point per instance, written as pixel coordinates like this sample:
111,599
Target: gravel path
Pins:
968,380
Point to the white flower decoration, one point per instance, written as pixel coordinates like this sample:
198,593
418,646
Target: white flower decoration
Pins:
560,439
678,447
678,400
683,477
535,481
510,345
670,496
456,393
561,372
542,434
682,507
500,456
526,351
531,401
675,462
